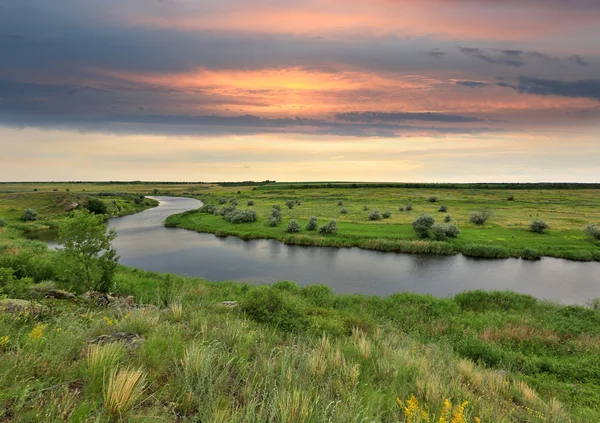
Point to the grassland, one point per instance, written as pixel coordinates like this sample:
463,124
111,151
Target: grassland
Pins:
281,353
567,212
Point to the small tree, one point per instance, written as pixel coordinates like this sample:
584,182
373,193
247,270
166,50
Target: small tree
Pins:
480,217
538,226
29,215
293,227
422,225
2,223
387,214
329,228
88,251
290,204
340,203
312,224
250,202
277,207
433,199
409,206
343,210
443,208
447,218
374,215
96,206
401,208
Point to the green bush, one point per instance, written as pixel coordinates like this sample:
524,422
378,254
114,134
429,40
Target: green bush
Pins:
290,204
443,231
387,214
276,207
233,202
241,216
30,215
138,199
374,215
343,210
312,224
208,208
96,206
340,203
481,301
250,202
447,218
538,226
529,254
593,231
401,208
365,207
329,228
2,223
433,199
11,286
480,217
511,198
422,225
268,306
443,208
409,206
318,294
222,200
226,210
275,217
293,227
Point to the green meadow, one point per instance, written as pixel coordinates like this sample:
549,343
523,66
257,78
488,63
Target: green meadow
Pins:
173,348
505,234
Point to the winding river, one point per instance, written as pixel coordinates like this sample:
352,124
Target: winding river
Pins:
144,242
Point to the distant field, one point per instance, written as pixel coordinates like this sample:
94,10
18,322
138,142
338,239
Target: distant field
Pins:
567,212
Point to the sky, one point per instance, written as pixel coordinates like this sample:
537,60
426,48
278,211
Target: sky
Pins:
302,90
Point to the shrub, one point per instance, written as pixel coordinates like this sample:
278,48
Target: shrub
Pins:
329,228
422,225
538,226
447,218
273,221
277,207
241,216
343,210
29,215
2,223
233,202
593,231
443,208
138,199
365,207
485,251
511,198
529,254
401,208
222,200
432,199
312,224
441,231
483,301
387,214
374,215
480,217
269,306
250,202
290,204
409,206
226,210
208,208
340,203
276,214
96,206
293,227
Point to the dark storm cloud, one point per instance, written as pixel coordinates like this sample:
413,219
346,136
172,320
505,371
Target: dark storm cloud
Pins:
400,117
589,88
472,84
515,58
436,54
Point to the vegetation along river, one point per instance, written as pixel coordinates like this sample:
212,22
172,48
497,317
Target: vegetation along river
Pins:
144,242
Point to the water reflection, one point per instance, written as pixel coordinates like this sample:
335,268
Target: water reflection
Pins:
143,242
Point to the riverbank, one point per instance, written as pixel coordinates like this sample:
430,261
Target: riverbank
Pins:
505,234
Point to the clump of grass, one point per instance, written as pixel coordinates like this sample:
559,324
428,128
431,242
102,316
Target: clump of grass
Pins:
122,390
485,251
101,357
176,310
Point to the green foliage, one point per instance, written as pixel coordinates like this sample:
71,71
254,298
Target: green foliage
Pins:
275,217
529,254
222,200
340,203
480,217
266,305
89,258
290,204
329,228
422,225
485,251
593,231
447,218
96,206
538,226
387,214
277,207
312,224
138,199
11,286
409,206
487,301
2,223
510,198
443,208
241,216
401,208
443,231
29,215
343,210
208,208
365,208
293,227
250,203
224,211
374,215
433,199
233,202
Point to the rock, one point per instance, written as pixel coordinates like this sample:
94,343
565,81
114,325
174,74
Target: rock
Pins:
97,297
71,207
58,294
14,306
229,304
132,340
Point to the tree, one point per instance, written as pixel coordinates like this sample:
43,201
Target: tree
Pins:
290,203
87,250
97,206
29,215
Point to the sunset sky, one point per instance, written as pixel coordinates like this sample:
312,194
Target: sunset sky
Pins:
345,90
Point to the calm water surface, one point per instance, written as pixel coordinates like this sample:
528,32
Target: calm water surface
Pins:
145,243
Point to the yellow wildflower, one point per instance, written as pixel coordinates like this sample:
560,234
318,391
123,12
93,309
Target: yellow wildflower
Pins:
37,332
477,420
108,321
425,416
399,402
459,415
412,405
4,341
446,411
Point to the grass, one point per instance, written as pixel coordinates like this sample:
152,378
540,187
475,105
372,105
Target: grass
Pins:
506,233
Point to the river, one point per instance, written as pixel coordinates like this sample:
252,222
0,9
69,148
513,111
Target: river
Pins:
144,242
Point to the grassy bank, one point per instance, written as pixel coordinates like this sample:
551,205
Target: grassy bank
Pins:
505,234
